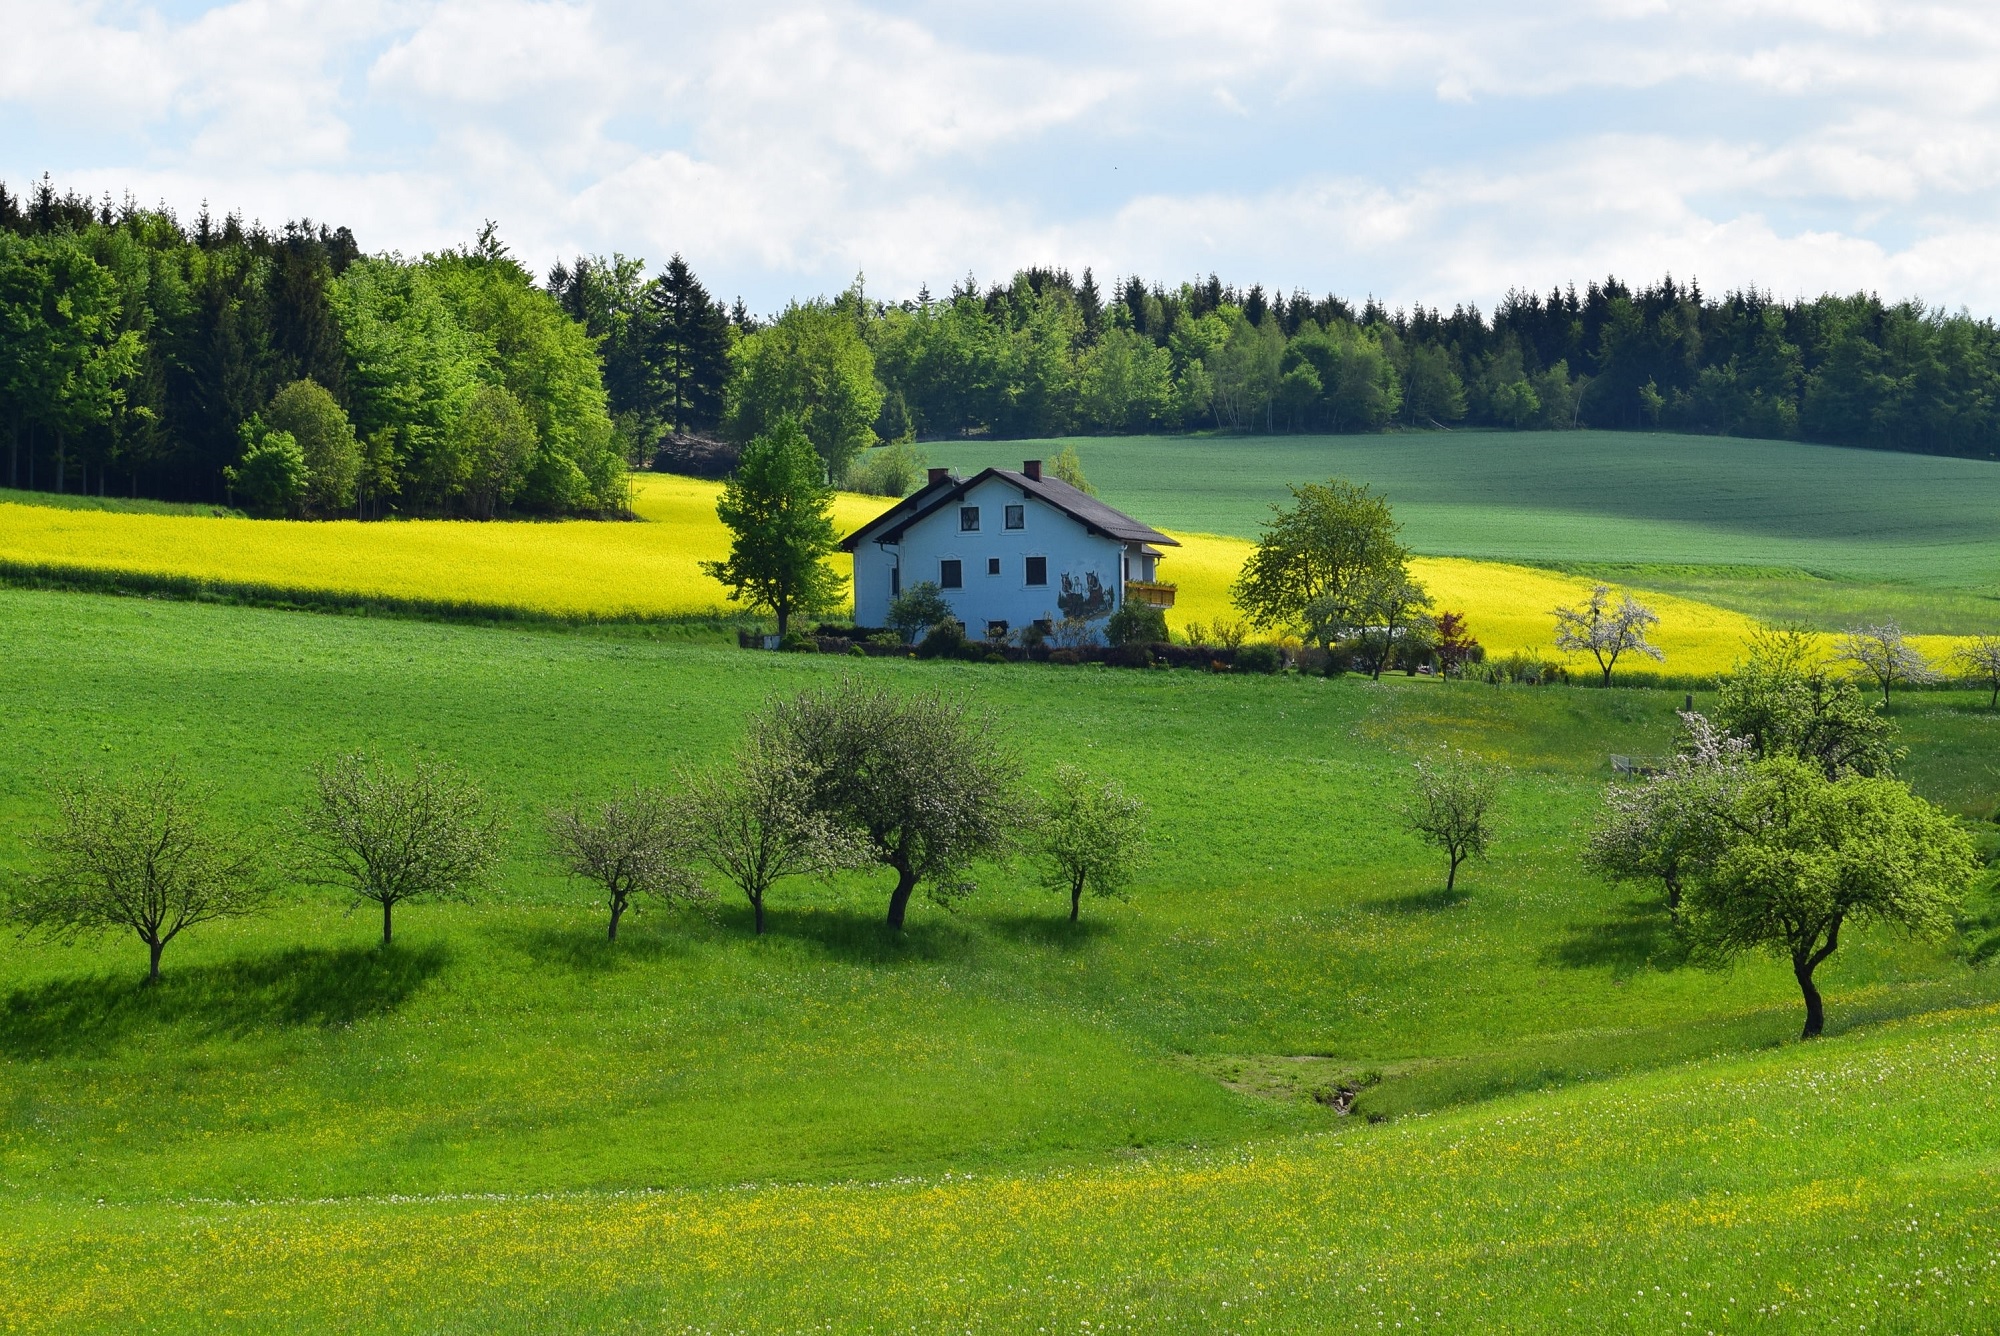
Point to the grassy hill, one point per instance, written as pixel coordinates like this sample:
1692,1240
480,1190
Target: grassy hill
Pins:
1767,527
997,1119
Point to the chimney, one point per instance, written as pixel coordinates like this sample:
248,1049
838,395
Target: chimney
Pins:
1033,468
938,476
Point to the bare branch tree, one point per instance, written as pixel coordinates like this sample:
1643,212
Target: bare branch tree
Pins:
755,823
634,845
1451,807
1091,836
1605,632
1980,658
390,837
1883,653
144,856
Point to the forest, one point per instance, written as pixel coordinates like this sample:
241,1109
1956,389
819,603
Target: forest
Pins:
287,372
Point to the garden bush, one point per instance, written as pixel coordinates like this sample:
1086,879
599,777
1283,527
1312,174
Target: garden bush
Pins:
1136,624
945,640
1259,659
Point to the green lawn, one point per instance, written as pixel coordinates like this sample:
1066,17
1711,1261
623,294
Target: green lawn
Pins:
504,1049
1829,534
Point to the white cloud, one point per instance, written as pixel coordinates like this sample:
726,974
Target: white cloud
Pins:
1433,153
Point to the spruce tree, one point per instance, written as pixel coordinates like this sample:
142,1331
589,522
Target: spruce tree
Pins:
687,349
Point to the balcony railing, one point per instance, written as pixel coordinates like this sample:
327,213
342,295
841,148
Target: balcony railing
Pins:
1146,591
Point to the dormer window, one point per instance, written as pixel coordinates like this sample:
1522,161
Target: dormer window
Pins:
1017,517
968,519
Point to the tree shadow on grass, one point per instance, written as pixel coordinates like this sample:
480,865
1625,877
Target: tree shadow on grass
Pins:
295,989
1053,930
1419,902
1637,936
586,949
864,939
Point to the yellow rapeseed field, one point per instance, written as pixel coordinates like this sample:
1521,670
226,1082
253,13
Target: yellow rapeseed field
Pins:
570,569
650,568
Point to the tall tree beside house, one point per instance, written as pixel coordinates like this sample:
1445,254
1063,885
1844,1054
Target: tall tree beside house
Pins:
1315,559
686,338
779,510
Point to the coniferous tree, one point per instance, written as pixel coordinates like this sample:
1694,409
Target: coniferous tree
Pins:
687,346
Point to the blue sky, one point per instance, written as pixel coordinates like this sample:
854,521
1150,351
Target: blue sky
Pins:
1434,152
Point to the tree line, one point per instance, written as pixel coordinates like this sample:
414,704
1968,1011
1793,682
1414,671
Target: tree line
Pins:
844,777
286,372
147,356
1047,354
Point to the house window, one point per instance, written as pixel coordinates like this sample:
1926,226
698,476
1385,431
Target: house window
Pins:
968,519
996,630
1038,570
951,575
1017,517
993,565
895,581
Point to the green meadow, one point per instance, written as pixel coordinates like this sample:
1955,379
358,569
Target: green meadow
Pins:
995,1120
1781,529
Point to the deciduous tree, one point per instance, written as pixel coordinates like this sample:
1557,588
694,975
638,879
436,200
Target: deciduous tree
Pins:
923,778
388,836
143,855
810,365
1780,699
1090,836
779,511
1450,807
1979,657
1455,644
1805,857
1389,604
917,609
1606,631
755,822
315,419
636,844
1672,825
1885,654
1314,557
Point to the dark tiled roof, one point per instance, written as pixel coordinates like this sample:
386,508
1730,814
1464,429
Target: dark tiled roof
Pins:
1080,506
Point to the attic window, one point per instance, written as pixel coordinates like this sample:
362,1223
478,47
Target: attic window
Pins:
968,519
1017,517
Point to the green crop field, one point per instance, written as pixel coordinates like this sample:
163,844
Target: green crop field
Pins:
1772,528
994,1120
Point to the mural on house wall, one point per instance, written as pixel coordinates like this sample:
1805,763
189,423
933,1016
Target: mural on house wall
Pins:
1089,603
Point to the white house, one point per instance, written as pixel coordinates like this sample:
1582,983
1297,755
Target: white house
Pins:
1007,549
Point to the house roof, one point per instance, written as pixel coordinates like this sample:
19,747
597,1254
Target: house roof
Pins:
1080,506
